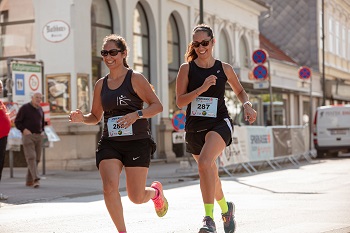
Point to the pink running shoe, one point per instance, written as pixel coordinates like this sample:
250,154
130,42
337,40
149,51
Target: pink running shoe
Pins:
160,202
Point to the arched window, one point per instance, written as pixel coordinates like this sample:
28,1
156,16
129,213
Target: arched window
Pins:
224,53
141,55
17,37
243,52
101,26
173,60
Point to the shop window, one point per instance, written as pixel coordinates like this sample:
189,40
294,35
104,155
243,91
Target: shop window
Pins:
173,60
141,54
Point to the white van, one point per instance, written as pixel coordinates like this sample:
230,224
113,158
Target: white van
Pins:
332,129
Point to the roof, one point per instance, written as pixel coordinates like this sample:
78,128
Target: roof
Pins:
273,51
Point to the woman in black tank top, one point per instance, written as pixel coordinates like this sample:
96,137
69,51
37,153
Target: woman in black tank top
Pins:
200,85
126,140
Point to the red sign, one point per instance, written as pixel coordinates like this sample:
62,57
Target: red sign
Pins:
259,56
260,72
304,72
179,120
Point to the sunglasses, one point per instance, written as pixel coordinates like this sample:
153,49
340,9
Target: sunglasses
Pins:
112,52
204,43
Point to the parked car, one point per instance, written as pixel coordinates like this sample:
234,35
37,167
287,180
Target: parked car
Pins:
332,130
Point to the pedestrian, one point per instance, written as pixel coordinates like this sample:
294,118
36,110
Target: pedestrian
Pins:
126,140
30,121
200,85
5,123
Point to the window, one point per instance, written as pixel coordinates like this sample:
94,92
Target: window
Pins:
243,51
343,42
17,34
337,38
141,42
331,35
101,26
173,60
224,53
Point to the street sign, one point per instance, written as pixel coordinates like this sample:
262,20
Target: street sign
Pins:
304,72
261,85
260,72
178,137
259,56
179,120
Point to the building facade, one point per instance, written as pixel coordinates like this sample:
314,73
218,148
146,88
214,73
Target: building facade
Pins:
66,36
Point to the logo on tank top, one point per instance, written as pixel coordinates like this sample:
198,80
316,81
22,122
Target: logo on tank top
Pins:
122,100
218,71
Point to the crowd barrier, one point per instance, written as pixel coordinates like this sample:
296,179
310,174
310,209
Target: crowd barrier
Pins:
268,145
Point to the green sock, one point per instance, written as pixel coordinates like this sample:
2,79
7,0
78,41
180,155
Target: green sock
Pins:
209,209
223,205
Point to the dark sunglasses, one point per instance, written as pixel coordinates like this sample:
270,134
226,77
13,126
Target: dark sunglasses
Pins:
203,43
112,52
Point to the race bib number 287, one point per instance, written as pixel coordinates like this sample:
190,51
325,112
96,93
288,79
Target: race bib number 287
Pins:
204,107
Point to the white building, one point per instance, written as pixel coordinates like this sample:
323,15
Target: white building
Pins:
66,35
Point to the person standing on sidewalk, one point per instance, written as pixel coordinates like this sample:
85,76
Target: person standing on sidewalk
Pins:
200,85
5,123
126,139
30,121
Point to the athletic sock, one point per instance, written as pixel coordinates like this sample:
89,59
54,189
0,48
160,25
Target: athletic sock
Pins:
209,209
223,205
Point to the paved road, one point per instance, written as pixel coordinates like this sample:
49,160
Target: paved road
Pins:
312,198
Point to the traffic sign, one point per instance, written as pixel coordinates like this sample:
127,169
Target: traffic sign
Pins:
260,72
304,72
261,85
179,120
259,56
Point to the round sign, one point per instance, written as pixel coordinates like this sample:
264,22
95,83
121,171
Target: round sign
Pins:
56,31
259,56
304,72
260,72
179,120
34,82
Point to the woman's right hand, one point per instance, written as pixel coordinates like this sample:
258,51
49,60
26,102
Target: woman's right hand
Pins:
76,116
208,82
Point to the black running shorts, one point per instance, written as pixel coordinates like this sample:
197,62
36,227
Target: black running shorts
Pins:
134,153
195,140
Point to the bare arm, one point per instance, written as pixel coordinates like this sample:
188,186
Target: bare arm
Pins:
144,90
96,113
232,79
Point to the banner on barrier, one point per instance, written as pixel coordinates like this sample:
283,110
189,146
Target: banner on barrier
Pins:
259,143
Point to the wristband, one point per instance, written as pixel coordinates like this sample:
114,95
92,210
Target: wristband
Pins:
247,102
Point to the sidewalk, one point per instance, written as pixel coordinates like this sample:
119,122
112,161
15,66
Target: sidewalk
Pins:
57,184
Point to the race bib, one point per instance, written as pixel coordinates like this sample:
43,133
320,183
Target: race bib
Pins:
115,130
204,106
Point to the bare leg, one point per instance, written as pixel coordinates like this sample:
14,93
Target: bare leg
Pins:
136,185
208,172
110,173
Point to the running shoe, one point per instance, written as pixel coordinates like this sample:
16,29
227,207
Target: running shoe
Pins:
229,218
208,225
160,202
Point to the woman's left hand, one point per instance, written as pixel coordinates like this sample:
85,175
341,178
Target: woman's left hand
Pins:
249,114
128,119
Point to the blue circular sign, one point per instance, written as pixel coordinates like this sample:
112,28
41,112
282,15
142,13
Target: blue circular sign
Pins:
260,72
304,72
179,120
259,56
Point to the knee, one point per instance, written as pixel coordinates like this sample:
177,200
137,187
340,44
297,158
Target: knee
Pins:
136,198
109,187
204,165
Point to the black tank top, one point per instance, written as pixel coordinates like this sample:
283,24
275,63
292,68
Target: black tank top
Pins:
120,102
196,77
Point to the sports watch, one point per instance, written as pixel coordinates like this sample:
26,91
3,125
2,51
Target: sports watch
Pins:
140,114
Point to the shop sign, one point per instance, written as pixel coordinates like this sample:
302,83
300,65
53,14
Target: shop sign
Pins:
56,31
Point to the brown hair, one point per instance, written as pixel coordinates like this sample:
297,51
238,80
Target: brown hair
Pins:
191,53
119,42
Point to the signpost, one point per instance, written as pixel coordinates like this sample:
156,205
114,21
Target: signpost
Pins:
179,120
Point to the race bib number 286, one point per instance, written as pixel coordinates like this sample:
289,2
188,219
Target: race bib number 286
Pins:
115,130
